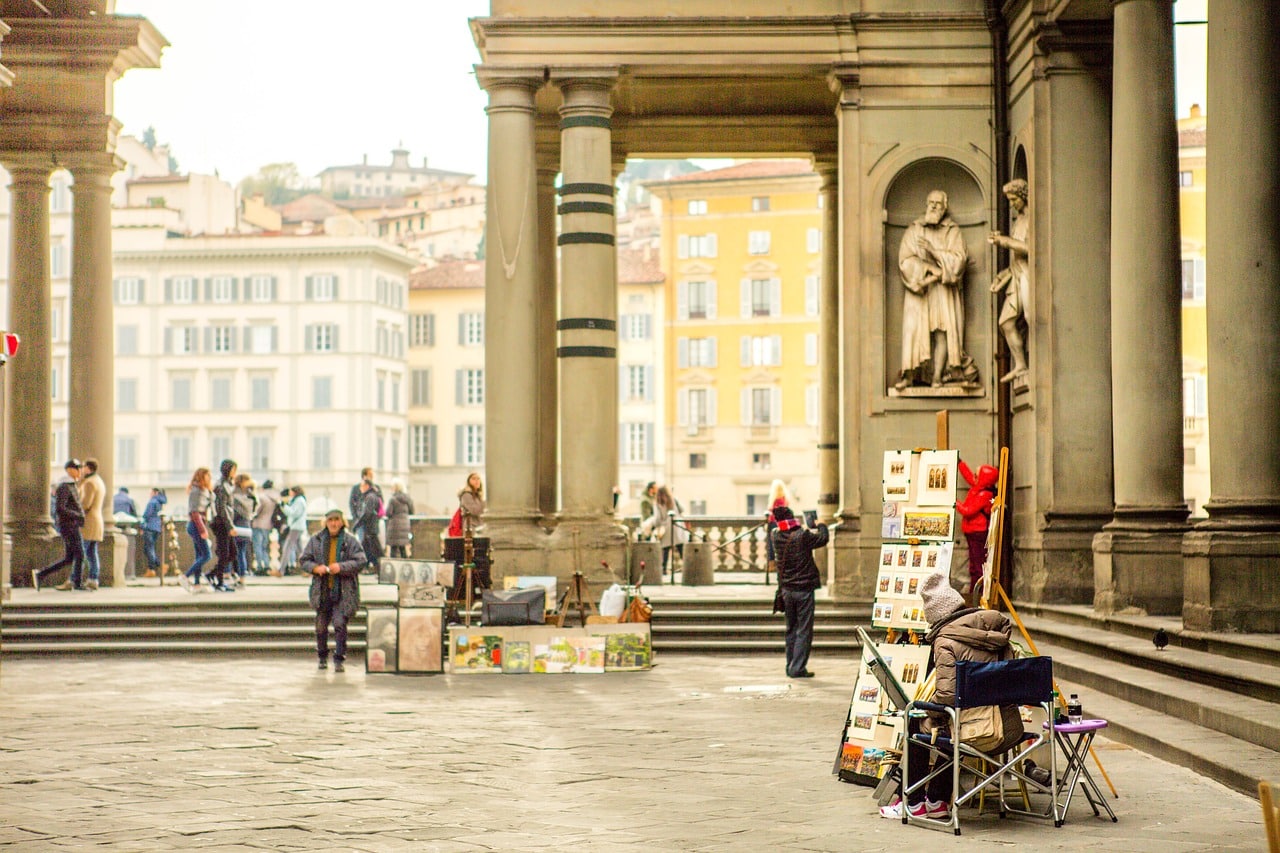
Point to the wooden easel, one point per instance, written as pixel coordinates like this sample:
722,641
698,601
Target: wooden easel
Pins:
993,584
578,594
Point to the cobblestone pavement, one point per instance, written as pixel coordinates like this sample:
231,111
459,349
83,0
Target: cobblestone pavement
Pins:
717,753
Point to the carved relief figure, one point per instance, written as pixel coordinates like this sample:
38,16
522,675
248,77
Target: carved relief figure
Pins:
1015,279
932,261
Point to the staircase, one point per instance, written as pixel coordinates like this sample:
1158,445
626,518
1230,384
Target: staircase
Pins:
738,626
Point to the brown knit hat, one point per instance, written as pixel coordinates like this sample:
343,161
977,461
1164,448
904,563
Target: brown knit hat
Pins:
940,598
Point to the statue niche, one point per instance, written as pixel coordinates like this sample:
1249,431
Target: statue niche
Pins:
934,245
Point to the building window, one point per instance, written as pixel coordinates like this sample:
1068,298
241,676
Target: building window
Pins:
380,384
220,393
758,242
260,393
322,288
1193,279
811,295
322,392
262,339
765,295
422,330
696,245
471,329
128,291
811,349
636,327
761,461
761,406
223,339
637,443
761,351
813,241
180,455
422,438
1185,179
259,452
470,444
262,288
470,387
698,302
126,395
126,453
759,204
182,290
1189,460
698,507
180,393
55,381
695,352
420,387
181,340
321,456
639,382
55,320
57,260
222,288
59,196
219,446
395,451
696,408
1195,396
697,207
126,340
757,504
322,337
697,460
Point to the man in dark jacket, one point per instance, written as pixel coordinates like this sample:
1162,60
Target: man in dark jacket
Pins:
333,558
68,515
797,579
364,523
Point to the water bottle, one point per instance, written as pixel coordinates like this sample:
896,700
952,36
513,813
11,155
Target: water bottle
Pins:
1075,713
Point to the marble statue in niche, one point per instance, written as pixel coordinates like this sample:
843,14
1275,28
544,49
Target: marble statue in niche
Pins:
1015,279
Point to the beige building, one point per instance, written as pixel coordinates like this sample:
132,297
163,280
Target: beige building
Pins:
372,180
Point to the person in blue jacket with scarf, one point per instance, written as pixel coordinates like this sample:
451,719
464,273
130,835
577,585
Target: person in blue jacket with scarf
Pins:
152,526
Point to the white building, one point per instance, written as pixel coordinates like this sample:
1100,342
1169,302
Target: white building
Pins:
373,180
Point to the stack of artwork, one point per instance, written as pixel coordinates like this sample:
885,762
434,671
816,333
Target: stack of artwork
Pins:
550,650
410,636
873,731
917,526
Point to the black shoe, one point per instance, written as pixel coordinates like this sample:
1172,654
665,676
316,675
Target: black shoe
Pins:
805,674
338,667
323,664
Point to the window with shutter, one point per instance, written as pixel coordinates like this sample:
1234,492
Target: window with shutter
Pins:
811,349
811,295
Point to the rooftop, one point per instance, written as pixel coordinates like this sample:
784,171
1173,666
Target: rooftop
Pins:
449,275
743,171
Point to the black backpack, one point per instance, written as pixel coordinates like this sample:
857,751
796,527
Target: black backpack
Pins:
278,519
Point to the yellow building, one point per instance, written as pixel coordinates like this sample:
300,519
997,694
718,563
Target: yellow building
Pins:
1195,425
742,255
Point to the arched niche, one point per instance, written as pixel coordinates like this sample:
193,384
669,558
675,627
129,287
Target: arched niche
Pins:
904,203
1020,164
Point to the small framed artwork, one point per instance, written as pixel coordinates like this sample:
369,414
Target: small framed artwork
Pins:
897,476
517,657
928,524
422,595
381,649
421,639
937,473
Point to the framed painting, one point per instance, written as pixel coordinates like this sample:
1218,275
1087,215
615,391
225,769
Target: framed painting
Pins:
421,640
897,476
936,474
382,647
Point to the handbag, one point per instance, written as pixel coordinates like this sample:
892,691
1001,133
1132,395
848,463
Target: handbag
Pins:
638,610
982,727
779,603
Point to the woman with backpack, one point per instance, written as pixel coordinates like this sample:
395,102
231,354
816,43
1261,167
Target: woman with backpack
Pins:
470,507
399,508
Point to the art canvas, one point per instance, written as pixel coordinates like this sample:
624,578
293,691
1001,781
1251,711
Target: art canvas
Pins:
553,656
476,653
381,650
421,640
517,657
891,521
936,478
897,476
627,652
993,543
422,595
547,582
928,524
387,571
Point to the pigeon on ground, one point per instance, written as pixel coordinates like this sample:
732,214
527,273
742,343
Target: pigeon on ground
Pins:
1161,639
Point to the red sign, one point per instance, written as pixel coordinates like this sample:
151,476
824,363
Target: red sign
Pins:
11,341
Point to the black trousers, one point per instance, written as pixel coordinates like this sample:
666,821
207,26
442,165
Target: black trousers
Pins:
331,614
73,556
798,607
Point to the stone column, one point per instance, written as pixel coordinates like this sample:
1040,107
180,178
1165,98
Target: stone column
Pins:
855,571
1231,579
548,366
829,345
1145,536
588,324
28,402
512,270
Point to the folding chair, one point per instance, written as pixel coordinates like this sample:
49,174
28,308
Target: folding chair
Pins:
1022,681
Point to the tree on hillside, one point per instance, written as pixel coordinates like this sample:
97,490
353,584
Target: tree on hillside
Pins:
277,183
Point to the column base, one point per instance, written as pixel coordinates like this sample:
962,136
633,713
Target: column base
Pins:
521,546
1055,566
1138,571
31,548
856,561
1230,582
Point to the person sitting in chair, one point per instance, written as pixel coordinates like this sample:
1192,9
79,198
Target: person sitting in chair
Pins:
956,633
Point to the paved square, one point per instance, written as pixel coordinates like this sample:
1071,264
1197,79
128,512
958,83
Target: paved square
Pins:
718,753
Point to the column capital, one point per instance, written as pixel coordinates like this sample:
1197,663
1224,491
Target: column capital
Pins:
587,92
590,76
90,167
828,171
511,88
27,166
845,79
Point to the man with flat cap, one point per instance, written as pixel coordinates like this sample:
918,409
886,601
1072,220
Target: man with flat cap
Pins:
333,558
68,515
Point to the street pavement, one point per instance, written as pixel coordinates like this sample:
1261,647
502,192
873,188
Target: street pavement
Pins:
698,754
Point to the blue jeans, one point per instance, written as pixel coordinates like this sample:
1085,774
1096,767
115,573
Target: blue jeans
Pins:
149,539
73,556
261,538
91,558
201,546
242,555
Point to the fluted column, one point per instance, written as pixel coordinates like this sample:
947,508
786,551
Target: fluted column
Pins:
28,402
91,418
588,296
1231,580
512,270
548,366
829,346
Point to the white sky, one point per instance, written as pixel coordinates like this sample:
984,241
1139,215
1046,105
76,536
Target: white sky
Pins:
250,82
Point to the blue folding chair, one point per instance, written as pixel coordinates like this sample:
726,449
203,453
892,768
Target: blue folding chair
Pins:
1022,681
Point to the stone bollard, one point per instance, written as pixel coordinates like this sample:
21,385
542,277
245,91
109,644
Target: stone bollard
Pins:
650,553
697,565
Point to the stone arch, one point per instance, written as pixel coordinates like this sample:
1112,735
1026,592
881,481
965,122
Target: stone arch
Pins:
904,198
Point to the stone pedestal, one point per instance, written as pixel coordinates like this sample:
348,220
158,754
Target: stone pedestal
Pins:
853,576
1138,570
1230,581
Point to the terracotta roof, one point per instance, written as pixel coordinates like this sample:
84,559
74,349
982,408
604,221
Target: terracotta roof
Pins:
638,266
311,207
390,202
1192,137
744,171
449,275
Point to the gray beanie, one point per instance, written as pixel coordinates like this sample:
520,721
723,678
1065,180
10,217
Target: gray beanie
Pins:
940,599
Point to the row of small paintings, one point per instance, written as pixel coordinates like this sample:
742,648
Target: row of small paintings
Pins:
415,571
924,479
913,559
905,521
904,615
516,650
869,710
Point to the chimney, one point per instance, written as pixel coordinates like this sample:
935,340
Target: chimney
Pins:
1195,111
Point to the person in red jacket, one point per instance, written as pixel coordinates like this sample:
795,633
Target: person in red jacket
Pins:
975,514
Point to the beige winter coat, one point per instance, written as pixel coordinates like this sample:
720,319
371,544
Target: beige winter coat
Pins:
974,635
93,494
